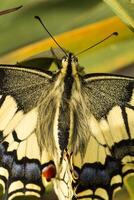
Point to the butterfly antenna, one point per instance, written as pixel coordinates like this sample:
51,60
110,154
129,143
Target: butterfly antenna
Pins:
3,12
38,18
112,34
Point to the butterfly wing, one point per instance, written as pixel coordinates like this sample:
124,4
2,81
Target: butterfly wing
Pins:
103,135
25,85
20,159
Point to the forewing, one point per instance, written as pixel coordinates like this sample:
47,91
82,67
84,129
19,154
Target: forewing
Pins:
106,139
25,85
20,159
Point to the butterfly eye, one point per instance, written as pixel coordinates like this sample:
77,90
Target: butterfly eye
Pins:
49,172
74,59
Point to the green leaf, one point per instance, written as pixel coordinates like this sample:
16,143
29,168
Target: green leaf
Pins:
129,183
131,1
124,10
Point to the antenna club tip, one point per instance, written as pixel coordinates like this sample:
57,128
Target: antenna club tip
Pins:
36,17
115,33
19,7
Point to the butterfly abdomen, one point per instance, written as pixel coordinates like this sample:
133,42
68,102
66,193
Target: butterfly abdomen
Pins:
64,110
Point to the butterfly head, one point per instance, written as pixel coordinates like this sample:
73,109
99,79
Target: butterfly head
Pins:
70,63
70,57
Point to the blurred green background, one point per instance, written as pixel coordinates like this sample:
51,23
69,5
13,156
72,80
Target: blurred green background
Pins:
76,25
62,16
59,15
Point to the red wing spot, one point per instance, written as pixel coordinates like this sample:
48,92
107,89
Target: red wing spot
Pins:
49,172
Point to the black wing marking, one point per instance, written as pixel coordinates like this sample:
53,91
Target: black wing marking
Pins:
109,153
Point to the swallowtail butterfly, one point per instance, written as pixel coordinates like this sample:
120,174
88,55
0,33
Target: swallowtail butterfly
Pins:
77,131
72,129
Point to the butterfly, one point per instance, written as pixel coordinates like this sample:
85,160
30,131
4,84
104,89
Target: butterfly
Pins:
74,130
